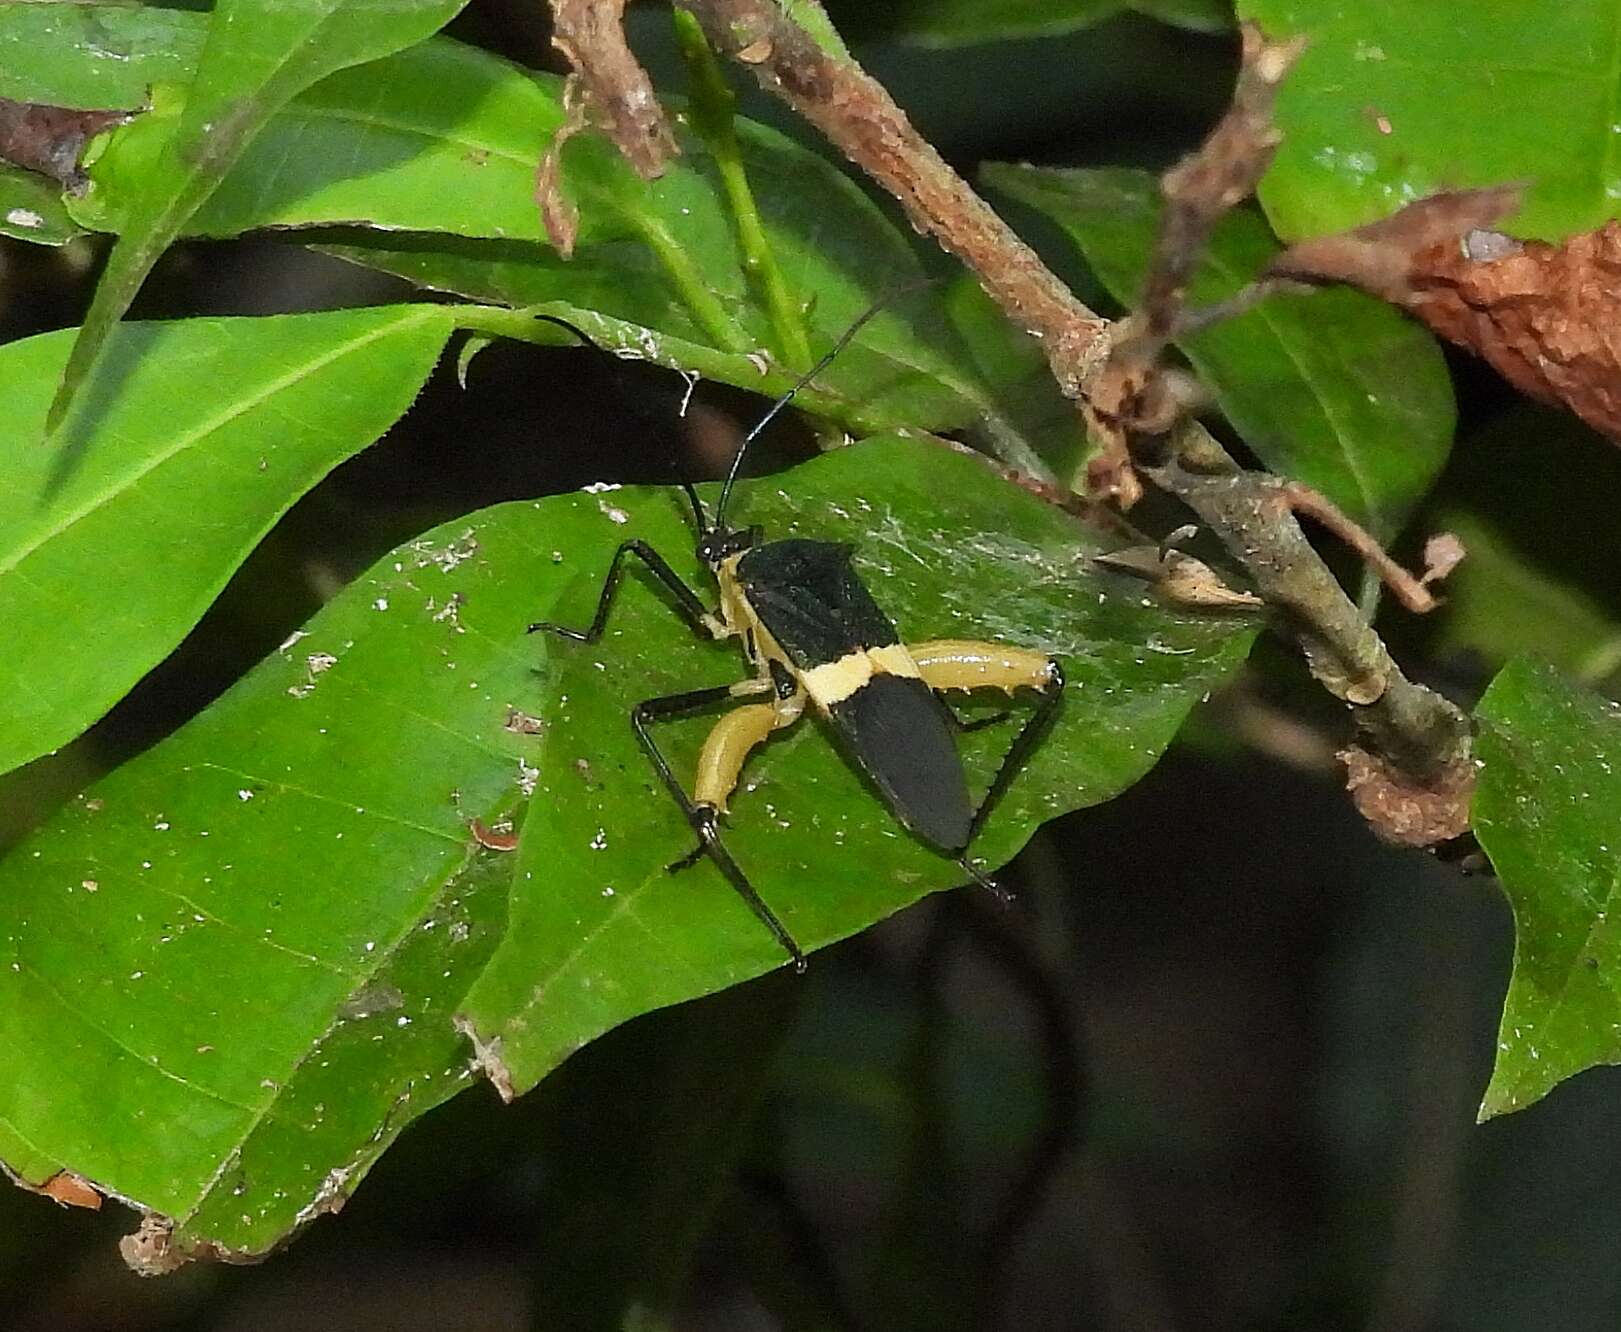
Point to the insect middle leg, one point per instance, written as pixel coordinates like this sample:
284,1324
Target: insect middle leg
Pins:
692,609
719,764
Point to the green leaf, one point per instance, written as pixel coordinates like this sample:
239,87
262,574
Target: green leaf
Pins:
971,22
828,859
439,137
975,22
109,555
259,54
1195,15
1394,100
94,57
445,139
227,976
1548,812
1335,388
31,208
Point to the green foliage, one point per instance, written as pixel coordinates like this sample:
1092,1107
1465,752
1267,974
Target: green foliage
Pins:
248,412
1334,388
286,912
94,57
259,54
440,141
1394,100
971,22
238,966
1548,813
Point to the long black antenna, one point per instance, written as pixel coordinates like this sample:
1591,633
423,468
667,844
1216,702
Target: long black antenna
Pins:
583,336
788,397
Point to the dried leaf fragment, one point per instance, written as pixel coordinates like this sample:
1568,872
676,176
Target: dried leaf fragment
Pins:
1546,317
1443,553
50,139
1406,810
1181,579
1379,257
70,1190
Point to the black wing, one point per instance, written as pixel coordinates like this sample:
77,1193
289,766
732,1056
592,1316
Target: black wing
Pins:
899,736
809,597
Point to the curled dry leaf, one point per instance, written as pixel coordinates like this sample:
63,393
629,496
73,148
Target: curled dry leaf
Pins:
1379,258
1545,316
1405,810
50,139
1181,579
557,214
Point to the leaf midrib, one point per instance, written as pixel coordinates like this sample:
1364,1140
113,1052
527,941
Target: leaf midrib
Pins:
207,428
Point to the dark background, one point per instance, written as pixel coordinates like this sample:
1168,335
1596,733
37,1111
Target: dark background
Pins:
1216,1070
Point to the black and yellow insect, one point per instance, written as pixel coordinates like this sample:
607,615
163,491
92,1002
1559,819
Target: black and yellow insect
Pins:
813,632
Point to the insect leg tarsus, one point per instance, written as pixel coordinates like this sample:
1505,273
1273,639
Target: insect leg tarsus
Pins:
686,600
703,817
1004,897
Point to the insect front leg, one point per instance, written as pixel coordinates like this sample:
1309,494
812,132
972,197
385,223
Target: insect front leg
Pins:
718,767
692,609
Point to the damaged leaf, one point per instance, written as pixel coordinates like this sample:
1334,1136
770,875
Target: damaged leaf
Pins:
236,969
1548,812
1542,315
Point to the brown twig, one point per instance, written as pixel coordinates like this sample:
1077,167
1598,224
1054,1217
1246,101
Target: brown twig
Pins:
1405,587
861,119
1418,729
1242,301
1128,396
617,91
